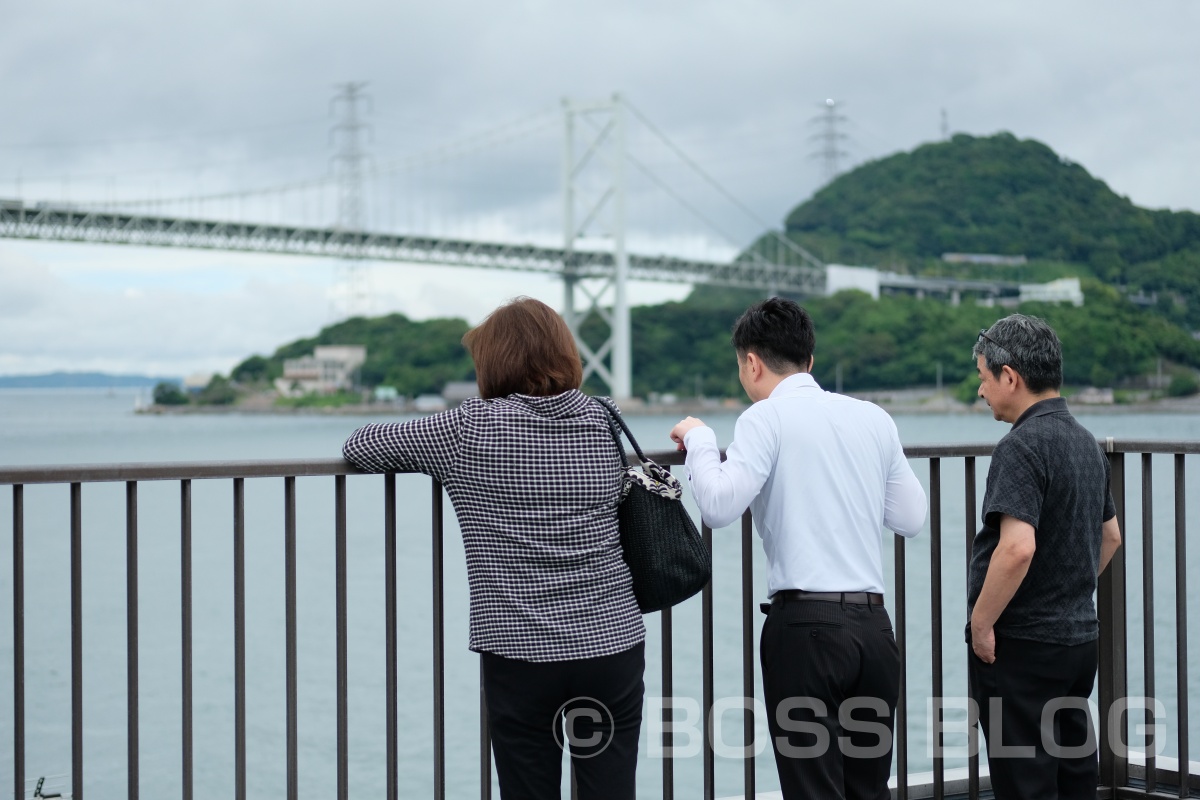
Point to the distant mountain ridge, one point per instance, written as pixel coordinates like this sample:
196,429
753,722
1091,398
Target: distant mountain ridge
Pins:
81,380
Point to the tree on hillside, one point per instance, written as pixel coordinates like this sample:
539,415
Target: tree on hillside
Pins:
1004,195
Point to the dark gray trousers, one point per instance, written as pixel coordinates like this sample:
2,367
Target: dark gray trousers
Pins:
1027,759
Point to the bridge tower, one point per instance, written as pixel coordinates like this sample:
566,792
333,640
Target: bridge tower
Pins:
594,191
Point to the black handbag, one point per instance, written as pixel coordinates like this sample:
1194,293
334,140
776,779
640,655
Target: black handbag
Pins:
666,556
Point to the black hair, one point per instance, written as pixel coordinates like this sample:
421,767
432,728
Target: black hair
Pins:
779,332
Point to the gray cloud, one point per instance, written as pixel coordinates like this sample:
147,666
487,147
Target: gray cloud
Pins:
125,101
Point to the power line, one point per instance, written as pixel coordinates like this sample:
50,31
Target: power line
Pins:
492,137
42,144
501,134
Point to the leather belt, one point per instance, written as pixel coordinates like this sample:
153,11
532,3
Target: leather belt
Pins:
854,598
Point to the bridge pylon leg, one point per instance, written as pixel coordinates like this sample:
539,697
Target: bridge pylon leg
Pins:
602,192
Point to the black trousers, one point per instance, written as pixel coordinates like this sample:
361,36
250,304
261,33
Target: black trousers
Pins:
1028,759
831,679
592,705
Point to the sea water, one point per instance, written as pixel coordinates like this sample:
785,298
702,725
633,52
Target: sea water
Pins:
71,427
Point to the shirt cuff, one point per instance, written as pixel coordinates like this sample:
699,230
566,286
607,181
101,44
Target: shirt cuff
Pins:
698,437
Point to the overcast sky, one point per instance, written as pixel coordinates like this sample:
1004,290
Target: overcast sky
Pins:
102,102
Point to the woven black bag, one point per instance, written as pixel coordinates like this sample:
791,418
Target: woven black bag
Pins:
666,556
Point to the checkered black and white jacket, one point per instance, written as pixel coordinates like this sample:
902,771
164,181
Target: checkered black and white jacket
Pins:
535,482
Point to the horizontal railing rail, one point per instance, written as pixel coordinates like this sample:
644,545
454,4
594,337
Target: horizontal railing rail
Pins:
1122,774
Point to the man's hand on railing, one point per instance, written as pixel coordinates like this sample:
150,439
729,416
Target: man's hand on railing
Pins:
681,429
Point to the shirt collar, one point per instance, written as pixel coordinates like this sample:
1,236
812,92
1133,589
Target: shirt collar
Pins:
1051,405
794,383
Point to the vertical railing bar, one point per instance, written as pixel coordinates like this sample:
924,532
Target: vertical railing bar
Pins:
707,690
1181,630
969,482
289,627
748,609
239,638
343,676
1148,608
668,690
389,603
439,660
18,550
935,602
77,641
185,631
485,742
901,625
1113,677
131,637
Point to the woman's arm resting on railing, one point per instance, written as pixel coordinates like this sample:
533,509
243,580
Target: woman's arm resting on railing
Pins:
428,445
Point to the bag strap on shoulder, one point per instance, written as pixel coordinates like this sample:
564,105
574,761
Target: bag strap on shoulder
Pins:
614,420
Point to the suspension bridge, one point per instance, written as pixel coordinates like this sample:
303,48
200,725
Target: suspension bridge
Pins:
594,269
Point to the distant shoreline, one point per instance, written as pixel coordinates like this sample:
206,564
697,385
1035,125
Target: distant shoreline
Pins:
914,401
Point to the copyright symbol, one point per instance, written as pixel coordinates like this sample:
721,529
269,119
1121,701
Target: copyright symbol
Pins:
587,725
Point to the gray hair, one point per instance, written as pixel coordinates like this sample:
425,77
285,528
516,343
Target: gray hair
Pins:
1028,345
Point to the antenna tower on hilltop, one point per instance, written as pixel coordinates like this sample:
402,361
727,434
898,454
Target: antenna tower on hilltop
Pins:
829,138
352,295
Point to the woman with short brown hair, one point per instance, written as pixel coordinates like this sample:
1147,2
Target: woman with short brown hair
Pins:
535,478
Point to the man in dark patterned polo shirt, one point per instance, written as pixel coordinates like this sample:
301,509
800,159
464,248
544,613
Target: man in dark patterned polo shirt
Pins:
1049,529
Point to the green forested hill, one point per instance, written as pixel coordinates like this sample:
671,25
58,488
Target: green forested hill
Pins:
993,194
1000,194
900,341
414,357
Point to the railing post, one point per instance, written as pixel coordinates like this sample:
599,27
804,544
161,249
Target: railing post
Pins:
185,633
1148,611
901,626
343,673
1181,624
935,605
707,689
18,550
76,641
239,638
289,637
748,609
439,654
1111,608
131,636
667,712
389,604
969,510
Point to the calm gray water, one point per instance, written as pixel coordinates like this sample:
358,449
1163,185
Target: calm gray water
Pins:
41,427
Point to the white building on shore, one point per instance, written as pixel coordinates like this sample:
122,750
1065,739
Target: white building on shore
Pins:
329,369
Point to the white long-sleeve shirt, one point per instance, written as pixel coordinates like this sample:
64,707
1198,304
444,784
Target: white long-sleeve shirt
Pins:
823,475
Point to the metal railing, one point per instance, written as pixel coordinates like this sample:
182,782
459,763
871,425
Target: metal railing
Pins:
1121,775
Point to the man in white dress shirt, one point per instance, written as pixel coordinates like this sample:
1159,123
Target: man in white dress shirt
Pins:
824,474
